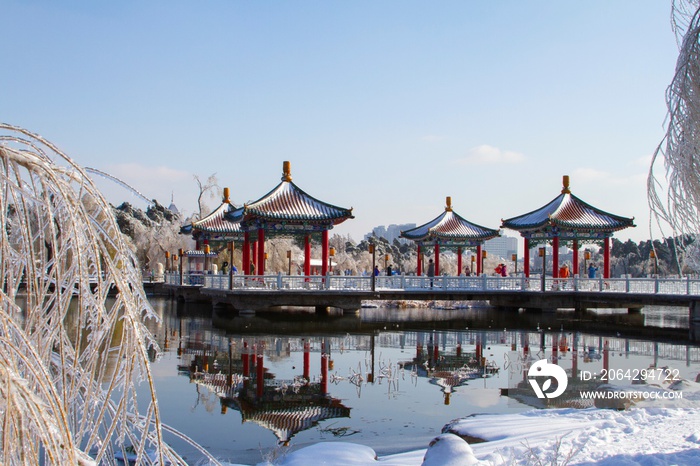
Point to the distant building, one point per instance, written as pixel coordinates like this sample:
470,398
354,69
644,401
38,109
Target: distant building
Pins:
391,232
503,246
172,207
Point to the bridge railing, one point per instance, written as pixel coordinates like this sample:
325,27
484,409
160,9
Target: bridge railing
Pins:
652,285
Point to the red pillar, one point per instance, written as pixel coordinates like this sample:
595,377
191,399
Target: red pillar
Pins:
261,252
526,258
478,260
574,264
307,255
324,253
437,259
459,261
419,267
254,256
246,254
555,257
606,258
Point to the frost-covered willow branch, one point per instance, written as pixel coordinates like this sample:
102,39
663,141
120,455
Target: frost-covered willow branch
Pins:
679,205
71,354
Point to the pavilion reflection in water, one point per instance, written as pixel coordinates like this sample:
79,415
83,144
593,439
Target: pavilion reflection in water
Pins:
450,370
232,364
234,369
241,381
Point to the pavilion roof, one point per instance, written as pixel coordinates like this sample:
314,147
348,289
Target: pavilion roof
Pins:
287,203
216,223
567,212
449,227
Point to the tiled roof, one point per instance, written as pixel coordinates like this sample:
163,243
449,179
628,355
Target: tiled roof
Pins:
568,212
288,203
450,227
216,222
288,421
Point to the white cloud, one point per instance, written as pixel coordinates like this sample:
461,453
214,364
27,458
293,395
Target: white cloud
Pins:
138,172
160,183
489,155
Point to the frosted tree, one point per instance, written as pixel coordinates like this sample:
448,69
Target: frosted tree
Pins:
676,200
70,356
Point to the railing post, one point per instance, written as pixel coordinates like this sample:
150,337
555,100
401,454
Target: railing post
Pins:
279,280
403,281
484,283
627,284
600,283
575,282
656,284
687,285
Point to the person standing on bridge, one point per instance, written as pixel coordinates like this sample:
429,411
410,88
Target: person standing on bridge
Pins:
592,269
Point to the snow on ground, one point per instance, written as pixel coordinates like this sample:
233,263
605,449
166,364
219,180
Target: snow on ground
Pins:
651,433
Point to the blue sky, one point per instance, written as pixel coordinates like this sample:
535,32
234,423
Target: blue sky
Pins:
384,106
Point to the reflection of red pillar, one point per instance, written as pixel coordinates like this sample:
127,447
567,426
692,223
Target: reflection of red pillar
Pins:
606,360
555,348
436,352
260,375
526,258
478,351
459,350
307,350
324,373
246,360
574,363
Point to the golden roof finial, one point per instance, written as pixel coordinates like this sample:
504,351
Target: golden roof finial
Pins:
226,196
565,181
286,171
448,202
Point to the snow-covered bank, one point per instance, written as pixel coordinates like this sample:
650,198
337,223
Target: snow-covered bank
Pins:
654,432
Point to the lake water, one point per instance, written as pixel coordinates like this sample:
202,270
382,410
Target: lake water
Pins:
386,378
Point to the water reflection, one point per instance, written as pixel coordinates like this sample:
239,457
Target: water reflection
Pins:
387,378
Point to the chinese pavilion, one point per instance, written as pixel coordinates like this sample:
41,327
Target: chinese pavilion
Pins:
567,218
216,227
286,211
449,230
